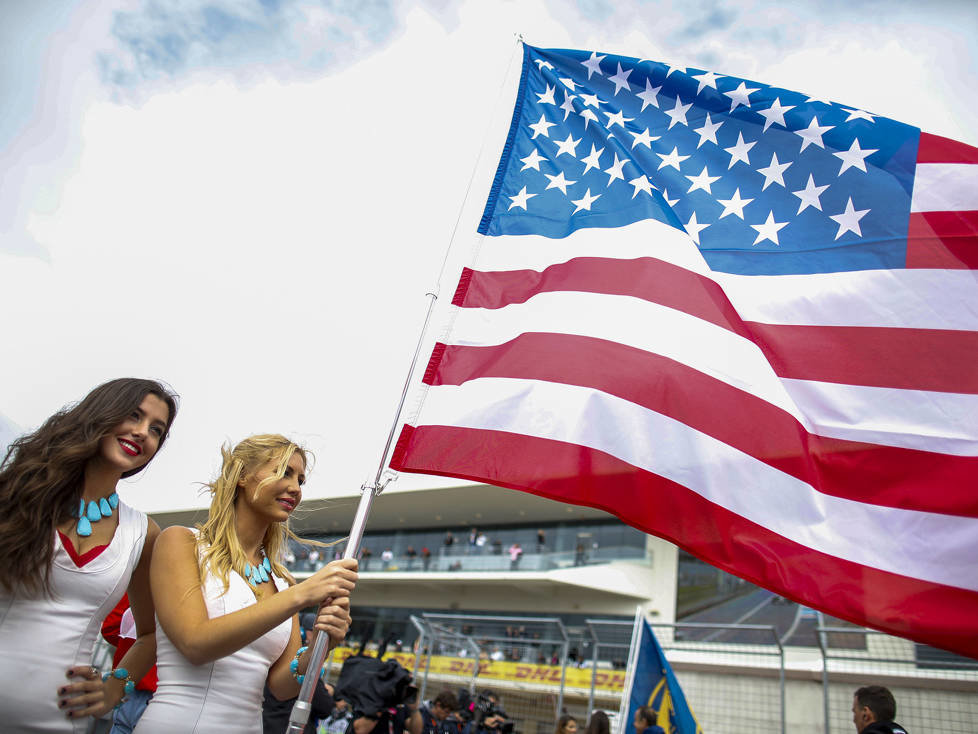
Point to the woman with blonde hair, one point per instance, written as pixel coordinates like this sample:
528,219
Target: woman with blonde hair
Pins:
226,605
69,550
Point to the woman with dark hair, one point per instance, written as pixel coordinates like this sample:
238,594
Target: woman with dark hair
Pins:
69,550
598,724
566,724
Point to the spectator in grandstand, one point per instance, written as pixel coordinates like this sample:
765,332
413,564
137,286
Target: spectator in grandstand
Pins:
439,717
644,721
425,558
598,724
449,541
566,724
541,540
365,556
873,711
515,552
386,557
412,555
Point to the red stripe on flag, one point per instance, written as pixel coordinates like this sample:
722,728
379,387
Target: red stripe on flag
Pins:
937,149
947,240
931,613
916,359
881,475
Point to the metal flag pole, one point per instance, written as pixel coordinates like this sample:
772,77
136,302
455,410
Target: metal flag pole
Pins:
303,705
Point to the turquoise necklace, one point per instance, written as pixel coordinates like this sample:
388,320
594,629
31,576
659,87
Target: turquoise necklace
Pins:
95,512
259,574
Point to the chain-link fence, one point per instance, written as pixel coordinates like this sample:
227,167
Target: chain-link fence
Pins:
935,690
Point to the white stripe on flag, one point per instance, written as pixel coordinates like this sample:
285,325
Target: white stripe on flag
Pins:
890,539
945,187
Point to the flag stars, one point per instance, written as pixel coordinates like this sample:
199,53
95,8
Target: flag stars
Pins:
593,64
542,127
858,115
588,116
848,220
548,96
541,64
590,100
678,113
643,138
567,105
812,135
618,118
671,159
615,171
809,195
568,146
532,161
740,151
734,205
741,96
775,114
702,182
650,96
708,131
569,83
559,182
769,230
584,203
520,199
693,228
641,183
855,157
620,79
592,160
707,79
774,172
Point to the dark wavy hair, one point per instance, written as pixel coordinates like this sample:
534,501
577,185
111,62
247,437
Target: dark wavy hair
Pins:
42,476
599,723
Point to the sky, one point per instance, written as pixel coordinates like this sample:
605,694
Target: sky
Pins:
250,199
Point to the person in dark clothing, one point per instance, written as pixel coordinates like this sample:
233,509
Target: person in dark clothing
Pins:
873,711
275,714
644,721
440,717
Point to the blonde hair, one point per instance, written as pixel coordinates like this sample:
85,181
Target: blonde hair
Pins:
220,549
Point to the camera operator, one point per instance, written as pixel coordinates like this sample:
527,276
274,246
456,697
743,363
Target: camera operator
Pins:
440,717
487,716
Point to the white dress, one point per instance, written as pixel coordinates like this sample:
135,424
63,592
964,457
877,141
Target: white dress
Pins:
40,638
222,696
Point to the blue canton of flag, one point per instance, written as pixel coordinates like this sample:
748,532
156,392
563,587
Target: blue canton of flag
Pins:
763,179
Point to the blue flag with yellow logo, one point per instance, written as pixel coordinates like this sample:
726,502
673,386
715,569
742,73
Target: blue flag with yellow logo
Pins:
654,684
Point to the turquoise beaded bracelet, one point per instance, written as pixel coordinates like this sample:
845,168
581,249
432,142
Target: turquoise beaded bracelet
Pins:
294,666
122,674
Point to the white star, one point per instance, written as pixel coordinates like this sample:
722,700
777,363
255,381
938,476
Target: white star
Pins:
644,138
649,96
773,172
769,230
812,135
585,202
542,127
567,105
520,199
739,151
569,83
593,159
858,115
813,98
774,113
703,181
678,113
848,221
615,170
641,183
693,228
809,195
708,79
672,159
588,116
532,160
740,96
665,197
593,64
855,157
708,131
543,64
673,67
621,80
617,119
558,182
548,96
590,100
734,205
568,146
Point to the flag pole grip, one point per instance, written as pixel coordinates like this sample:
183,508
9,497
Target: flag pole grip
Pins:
303,705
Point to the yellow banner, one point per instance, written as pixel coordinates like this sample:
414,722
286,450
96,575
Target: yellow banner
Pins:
605,680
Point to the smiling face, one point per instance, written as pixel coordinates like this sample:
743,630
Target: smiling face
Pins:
133,442
570,727
271,496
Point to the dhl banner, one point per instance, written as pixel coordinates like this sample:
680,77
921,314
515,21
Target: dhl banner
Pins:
605,680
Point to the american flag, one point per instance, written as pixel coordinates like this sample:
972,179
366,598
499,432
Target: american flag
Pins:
739,317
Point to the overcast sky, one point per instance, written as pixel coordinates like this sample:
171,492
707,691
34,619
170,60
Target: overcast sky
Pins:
249,199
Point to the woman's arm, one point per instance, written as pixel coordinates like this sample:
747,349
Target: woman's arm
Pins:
180,607
333,620
93,697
